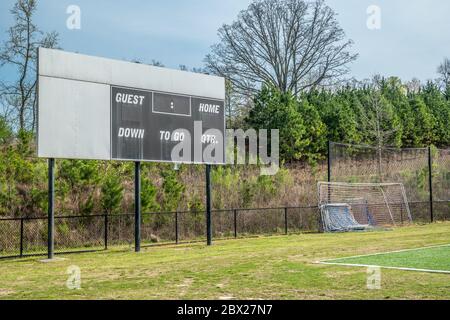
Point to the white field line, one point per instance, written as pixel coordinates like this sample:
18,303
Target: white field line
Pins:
383,267
387,252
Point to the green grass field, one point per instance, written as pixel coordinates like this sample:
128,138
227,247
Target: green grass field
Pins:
282,267
431,259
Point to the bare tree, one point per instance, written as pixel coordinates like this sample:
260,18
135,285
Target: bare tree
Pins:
292,44
444,72
444,80
20,52
414,86
237,107
157,63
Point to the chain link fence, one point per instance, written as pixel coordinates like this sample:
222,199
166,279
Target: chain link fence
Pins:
21,237
412,167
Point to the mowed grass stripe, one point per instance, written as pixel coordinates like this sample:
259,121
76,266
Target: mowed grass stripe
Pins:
422,259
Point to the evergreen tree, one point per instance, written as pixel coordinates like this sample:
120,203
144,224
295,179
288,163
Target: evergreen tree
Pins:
112,193
276,110
315,131
424,122
440,109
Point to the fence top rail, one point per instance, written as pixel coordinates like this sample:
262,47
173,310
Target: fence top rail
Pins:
384,148
373,147
350,184
278,208
157,213
193,212
183,212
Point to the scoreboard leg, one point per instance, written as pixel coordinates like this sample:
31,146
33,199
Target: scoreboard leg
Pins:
51,209
137,206
208,205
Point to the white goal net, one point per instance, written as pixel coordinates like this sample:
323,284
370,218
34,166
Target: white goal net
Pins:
362,206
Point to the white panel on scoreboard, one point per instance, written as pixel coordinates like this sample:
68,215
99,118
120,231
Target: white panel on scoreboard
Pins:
73,119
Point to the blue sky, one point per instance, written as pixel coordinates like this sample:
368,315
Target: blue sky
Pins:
413,39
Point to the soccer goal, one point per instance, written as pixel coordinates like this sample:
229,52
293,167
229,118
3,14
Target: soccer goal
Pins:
362,206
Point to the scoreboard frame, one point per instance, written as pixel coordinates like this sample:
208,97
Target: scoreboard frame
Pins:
75,116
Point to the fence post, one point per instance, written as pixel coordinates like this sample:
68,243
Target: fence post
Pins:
21,237
286,220
430,181
329,188
176,228
235,223
329,160
106,231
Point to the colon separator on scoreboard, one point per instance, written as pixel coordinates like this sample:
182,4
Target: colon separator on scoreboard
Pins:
171,104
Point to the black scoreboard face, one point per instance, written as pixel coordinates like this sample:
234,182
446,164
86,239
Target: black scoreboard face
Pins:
147,126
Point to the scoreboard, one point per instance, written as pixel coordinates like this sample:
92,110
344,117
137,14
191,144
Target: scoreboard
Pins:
148,125
96,108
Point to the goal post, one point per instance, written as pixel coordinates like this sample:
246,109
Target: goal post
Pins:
360,206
